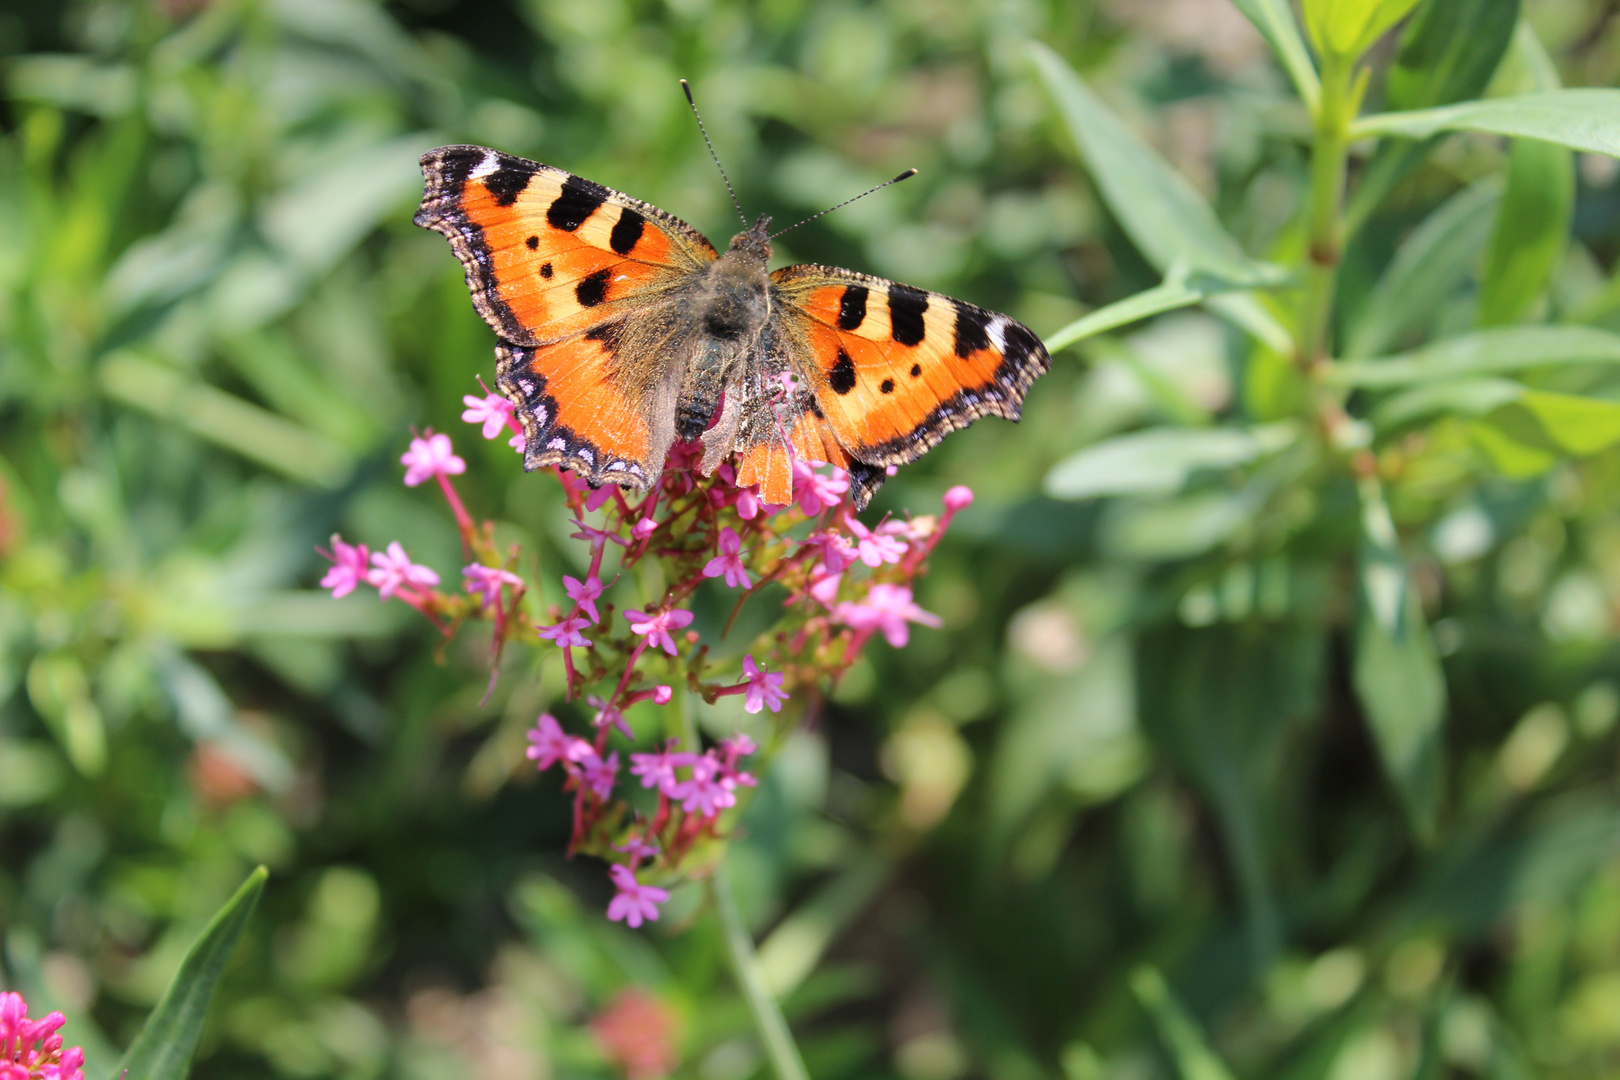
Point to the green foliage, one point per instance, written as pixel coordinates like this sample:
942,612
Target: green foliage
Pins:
1272,728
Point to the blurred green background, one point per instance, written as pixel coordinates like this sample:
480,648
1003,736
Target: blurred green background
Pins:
1135,741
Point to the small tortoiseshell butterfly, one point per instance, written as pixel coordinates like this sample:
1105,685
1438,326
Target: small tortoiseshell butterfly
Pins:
622,329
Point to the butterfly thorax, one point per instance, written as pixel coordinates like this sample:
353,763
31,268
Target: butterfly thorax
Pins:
731,307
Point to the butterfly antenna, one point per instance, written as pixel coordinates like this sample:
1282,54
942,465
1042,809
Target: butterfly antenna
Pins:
908,174
692,102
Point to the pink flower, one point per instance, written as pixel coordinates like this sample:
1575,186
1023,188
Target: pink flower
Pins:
748,504
634,901
735,746
658,770
429,457
657,626
644,528
348,567
824,587
875,547
585,594
518,442
706,792
549,744
32,1049
764,688
958,498
393,570
887,608
638,848
567,632
485,582
729,561
814,491
599,774
594,496
609,715
491,410
836,550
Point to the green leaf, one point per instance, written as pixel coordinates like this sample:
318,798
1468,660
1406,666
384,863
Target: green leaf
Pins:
1178,290
1533,223
1275,20
1397,673
1162,213
1186,1043
1160,460
1484,352
1449,52
1347,28
1459,397
1434,261
1580,425
163,1049
1582,119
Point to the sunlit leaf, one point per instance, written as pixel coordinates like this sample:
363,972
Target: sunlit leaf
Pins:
1485,352
163,1049
1581,119
1188,1048
1161,212
1346,28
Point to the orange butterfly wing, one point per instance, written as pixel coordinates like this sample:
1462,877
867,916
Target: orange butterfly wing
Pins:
891,370
560,267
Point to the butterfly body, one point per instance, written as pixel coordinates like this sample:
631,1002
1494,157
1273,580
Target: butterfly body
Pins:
623,329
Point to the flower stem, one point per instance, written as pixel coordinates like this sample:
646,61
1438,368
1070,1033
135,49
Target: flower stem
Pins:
1324,225
768,1019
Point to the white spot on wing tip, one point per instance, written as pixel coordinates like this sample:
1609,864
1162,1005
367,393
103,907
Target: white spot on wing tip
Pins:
997,332
490,163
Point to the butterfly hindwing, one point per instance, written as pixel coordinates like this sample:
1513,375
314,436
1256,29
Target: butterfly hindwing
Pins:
892,370
547,253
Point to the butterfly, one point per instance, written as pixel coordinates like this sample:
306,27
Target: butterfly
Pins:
622,329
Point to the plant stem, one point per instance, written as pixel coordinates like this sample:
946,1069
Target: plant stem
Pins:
768,1019
1324,221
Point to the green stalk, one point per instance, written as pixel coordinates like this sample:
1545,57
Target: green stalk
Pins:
1324,221
768,1019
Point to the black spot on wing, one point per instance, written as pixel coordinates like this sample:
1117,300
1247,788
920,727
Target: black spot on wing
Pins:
887,386
532,243
507,182
577,202
970,332
906,307
626,231
1021,343
842,376
916,370
592,288
545,270
852,308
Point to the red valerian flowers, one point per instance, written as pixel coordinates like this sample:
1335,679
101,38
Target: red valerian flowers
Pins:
638,665
32,1049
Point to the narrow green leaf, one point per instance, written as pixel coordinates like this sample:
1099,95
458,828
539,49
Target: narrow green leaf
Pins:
1275,21
1448,53
1164,297
1397,674
1581,119
1516,444
1484,352
1160,460
796,945
1460,397
163,1049
1162,213
1533,223
1186,1043
1434,261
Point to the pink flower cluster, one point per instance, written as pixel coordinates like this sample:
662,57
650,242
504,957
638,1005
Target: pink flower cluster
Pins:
845,581
32,1049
